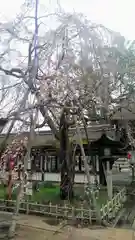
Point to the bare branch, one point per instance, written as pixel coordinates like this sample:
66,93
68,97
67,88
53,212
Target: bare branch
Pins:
15,72
10,86
41,125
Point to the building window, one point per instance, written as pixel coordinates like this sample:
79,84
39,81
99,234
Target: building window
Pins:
82,164
79,163
53,164
48,164
76,163
37,162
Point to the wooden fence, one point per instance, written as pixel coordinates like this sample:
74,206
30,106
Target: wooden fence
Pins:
112,207
66,211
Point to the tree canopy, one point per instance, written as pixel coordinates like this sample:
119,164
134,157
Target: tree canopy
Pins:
77,60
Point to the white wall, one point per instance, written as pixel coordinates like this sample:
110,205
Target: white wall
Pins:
55,177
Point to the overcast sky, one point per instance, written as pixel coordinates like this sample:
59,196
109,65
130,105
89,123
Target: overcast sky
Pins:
115,14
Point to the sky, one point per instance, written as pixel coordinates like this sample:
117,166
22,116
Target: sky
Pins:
117,15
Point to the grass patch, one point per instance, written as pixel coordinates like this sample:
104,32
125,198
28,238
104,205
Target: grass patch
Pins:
49,192
102,198
2,191
46,194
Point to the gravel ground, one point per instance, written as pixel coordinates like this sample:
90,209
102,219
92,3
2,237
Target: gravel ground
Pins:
39,230
27,233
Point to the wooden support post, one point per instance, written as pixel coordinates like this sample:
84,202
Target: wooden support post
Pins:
109,181
86,166
42,167
133,174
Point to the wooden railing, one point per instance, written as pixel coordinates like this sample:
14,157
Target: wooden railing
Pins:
66,211
57,211
113,206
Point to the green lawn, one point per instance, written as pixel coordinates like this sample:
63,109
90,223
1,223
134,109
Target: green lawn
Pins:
103,197
50,193
46,194
2,191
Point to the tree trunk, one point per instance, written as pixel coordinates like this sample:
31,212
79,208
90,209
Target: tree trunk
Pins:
9,186
12,228
66,161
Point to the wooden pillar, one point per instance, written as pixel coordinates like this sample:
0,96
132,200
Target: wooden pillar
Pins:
97,180
109,181
45,164
42,167
97,164
29,163
102,177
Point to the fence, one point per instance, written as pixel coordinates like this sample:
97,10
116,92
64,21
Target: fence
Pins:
113,206
66,211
